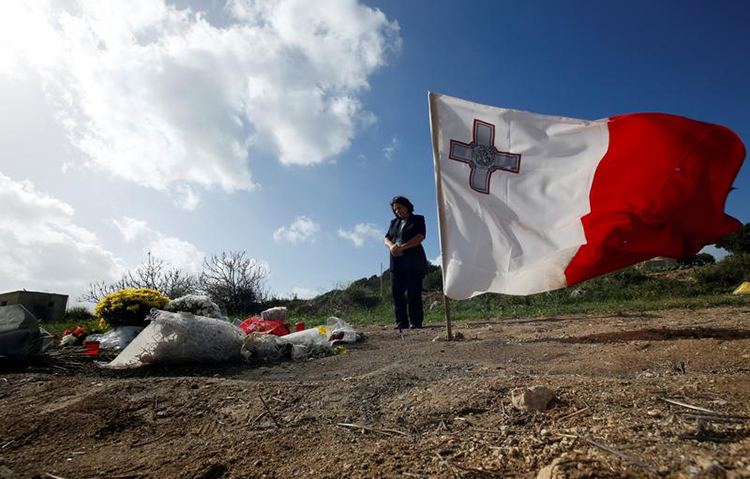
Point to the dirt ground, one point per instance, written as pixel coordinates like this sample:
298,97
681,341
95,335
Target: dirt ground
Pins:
395,406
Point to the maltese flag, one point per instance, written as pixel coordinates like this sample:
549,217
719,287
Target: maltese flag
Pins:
530,203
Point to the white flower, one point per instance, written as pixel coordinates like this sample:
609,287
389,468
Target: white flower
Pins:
197,305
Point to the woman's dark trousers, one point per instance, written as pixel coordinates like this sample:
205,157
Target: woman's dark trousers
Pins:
411,284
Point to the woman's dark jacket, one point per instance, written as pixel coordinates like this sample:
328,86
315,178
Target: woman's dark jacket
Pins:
413,260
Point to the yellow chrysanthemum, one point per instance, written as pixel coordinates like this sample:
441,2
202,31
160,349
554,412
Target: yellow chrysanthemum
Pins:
129,306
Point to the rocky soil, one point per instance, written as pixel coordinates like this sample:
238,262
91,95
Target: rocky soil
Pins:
636,395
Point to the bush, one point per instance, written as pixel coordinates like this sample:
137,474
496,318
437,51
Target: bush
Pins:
78,313
154,274
433,280
234,282
737,242
726,274
361,297
627,276
129,307
700,259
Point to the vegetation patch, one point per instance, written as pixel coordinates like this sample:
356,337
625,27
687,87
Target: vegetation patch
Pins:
695,283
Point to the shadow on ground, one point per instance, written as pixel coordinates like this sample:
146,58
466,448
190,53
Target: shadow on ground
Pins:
662,334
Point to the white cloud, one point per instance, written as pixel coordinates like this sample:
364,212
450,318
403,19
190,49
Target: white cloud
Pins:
361,233
43,247
438,261
131,228
177,252
161,97
391,148
301,230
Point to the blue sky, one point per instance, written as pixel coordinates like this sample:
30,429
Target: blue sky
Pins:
191,128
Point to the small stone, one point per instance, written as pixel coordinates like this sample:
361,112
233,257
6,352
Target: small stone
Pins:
710,467
548,471
693,471
535,397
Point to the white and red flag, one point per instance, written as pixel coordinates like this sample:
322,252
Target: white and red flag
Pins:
531,203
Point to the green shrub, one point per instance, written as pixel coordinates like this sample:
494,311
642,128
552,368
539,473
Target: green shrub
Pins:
700,259
627,276
129,307
433,280
726,274
737,242
361,297
78,313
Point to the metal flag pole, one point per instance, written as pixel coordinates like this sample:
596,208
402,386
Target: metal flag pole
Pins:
440,204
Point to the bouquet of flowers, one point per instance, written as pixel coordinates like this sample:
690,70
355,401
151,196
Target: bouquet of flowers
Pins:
197,305
129,307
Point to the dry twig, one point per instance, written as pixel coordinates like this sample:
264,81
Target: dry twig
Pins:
689,406
388,432
489,431
618,454
256,418
711,418
269,412
448,464
502,407
575,413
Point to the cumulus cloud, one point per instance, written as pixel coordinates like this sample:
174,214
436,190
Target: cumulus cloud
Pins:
301,230
41,244
160,96
361,233
175,251
391,148
131,228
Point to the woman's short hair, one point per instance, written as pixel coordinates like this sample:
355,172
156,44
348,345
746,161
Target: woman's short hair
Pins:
404,201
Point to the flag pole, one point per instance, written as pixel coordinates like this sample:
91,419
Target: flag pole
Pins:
447,302
440,206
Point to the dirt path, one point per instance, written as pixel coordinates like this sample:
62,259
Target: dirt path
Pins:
423,408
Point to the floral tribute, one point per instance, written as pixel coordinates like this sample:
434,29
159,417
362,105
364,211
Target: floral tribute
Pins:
129,307
197,305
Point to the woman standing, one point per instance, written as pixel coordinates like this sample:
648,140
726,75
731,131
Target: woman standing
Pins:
408,262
